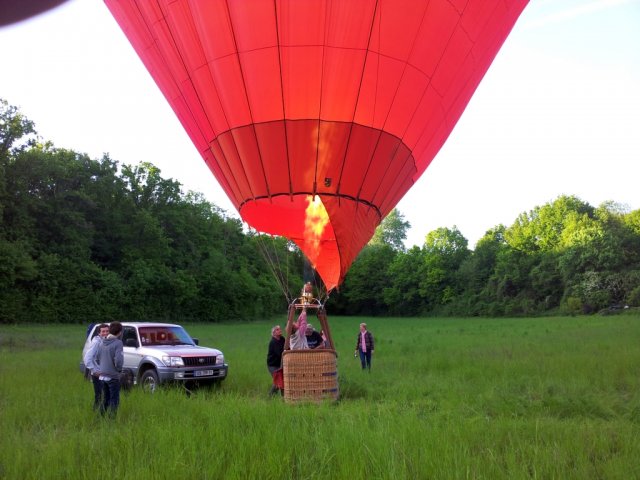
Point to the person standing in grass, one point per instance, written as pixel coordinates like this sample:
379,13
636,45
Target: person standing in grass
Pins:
274,356
90,364
364,346
110,358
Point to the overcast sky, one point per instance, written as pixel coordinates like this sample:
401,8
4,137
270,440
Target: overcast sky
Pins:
557,113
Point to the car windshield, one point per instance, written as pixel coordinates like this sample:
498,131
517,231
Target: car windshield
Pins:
162,335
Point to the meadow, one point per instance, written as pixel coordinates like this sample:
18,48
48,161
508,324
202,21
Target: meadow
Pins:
446,399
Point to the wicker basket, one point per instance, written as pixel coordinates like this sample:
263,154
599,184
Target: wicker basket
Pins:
310,375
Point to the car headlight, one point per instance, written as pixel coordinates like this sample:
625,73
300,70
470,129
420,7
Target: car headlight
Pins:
173,361
220,360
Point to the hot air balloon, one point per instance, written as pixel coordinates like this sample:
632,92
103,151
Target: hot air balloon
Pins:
317,116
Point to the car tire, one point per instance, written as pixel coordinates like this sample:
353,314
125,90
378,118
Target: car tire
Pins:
149,381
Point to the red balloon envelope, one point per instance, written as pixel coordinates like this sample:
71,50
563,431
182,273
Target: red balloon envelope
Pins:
317,116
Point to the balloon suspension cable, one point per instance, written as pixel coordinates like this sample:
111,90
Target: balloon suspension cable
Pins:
321,295
269,250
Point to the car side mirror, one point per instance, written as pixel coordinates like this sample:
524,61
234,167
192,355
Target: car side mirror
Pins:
196,341
131,342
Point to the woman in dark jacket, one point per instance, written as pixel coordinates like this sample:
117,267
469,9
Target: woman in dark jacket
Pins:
274,354
364,346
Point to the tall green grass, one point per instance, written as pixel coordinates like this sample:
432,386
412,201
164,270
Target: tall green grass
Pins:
446,398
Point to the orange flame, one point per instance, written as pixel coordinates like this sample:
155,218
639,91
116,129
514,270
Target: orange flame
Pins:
316,219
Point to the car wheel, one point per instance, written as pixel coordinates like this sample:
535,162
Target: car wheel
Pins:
149,381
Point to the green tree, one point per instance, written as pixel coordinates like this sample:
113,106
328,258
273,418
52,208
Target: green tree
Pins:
632,221
445,249
83,238
478,267
542,228
476,272
392,231
403,296
14,126
364,285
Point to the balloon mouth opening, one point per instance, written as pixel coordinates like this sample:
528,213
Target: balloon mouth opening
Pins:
303,219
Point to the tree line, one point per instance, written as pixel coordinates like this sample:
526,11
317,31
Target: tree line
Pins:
84,239
564,257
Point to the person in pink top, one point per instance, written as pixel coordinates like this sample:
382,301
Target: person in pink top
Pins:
364,346
297,338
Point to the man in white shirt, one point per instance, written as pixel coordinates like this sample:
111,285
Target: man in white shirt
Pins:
90,364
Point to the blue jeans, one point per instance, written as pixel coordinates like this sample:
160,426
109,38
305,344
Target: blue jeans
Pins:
365,359
98,389
111,391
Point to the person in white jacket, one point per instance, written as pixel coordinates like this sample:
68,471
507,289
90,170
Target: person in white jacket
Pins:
90,364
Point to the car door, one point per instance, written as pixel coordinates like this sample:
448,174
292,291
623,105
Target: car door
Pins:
131,348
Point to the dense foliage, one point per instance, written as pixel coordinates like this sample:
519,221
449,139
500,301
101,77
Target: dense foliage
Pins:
91,239
84,239
563,257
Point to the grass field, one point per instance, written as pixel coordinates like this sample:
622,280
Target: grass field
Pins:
446,398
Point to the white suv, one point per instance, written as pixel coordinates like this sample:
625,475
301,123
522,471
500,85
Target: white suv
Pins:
156,353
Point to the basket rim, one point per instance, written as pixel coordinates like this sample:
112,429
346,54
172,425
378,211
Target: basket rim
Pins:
307,351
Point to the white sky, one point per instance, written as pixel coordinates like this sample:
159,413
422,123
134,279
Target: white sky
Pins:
557,113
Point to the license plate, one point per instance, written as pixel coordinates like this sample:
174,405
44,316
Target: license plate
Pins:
203,373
